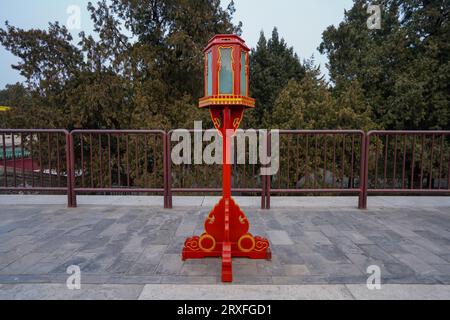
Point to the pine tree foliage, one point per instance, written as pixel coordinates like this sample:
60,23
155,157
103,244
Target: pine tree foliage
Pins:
142,68
402,68
272,65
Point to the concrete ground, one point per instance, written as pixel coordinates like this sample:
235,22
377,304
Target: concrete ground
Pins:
129,248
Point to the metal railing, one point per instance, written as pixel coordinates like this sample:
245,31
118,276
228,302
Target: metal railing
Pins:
35,160
318,162
407,162
119,161
335,162
203,178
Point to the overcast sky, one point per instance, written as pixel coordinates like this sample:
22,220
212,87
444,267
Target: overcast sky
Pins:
300,23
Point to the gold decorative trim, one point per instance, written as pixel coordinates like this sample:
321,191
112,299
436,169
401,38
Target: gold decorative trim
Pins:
211,219
192,244
207,236
246,236
242,219
237,121
261,244
229,100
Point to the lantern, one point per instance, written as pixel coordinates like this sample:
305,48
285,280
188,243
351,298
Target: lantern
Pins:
227,79
227,96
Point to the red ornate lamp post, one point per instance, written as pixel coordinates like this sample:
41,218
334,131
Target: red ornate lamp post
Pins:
227,96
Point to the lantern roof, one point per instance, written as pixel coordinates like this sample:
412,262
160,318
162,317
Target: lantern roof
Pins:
221,39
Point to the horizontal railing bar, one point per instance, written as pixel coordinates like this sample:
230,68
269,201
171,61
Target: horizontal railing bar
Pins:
34,130
119,131
185,190
33,189
141,190
321,132
314,190
405,132
410,191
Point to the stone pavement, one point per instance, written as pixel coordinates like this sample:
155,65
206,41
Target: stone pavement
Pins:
320,250
52,291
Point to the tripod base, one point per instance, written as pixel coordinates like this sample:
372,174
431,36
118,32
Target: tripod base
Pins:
226,236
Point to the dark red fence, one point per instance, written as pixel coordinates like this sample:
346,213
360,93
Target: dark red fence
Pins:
319,162
119,161
207,178
335,162
35,160
407,162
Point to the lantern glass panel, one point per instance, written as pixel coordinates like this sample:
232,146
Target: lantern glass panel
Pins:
226,71
244,74
209,75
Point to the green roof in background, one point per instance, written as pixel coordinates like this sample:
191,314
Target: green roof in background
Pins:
9,153
5,108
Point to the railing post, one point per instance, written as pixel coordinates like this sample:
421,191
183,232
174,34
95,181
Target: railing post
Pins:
167,172
263,191
72,179
68,172
71,197
268,178
364,171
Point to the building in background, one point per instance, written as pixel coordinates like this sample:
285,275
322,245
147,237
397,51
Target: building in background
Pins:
11,152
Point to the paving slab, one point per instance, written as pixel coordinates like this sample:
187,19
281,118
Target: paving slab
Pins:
279,237
61,292
401,292
244,292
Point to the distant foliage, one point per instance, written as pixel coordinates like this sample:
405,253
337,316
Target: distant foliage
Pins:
272,65
403,68
142,68
309,104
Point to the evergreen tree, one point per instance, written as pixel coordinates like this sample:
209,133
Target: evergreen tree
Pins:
144,71
272,65
403,68
309,104
18,98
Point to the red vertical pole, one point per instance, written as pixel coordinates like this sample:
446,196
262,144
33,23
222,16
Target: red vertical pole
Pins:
226,173
227,275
